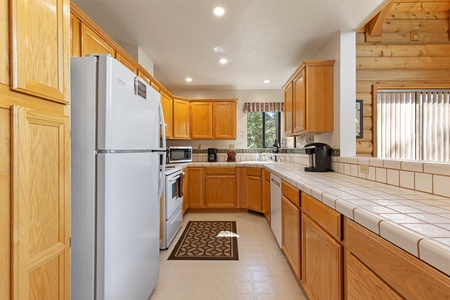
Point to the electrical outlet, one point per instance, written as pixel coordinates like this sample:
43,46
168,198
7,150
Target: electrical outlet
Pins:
364,169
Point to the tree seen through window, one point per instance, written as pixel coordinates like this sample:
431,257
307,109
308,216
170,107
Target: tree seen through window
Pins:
262,129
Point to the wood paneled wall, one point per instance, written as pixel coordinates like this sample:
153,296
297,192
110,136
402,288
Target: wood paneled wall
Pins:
412,49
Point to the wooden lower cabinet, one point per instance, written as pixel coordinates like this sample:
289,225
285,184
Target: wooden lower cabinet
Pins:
196,187
364,284
253,189
221,187
266,194
290,228
321,262
377,269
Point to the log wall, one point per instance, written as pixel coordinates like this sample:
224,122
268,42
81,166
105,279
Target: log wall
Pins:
413,49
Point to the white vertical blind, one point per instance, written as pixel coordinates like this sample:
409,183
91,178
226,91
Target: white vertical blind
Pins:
414,124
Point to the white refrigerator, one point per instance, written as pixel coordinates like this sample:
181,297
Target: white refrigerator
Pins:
117,137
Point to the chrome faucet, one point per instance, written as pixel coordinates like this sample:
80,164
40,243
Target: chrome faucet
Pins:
272,156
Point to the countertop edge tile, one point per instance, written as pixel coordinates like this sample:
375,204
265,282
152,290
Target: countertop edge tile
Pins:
405,238
435,254
316,193
369,220
329,200
345,208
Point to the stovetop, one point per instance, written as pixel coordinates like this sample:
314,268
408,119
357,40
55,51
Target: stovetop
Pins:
170,169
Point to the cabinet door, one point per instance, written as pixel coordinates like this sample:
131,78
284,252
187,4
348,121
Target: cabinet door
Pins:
167,103
224,119
4,44
253,193
321,262
40,48
196,188
40,206
5,202
180,119
299,105
266,194
364,284
92,43
201,120
290,229
75,36
220,191
288,109
185,190
319,97
126,62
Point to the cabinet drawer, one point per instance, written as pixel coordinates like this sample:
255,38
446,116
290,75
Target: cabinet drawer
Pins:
291,192
329,219
254,172
220,170
266,174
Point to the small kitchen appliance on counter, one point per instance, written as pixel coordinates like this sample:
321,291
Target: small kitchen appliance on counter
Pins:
212,154
319,157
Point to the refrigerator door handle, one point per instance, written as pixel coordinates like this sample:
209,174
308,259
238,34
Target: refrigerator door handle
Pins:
163,152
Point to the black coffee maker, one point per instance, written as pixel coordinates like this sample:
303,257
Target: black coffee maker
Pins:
212,154
319,157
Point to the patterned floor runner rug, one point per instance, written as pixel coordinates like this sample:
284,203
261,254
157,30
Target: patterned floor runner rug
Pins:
207,240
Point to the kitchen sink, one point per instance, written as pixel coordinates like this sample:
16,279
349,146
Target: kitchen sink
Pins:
259,162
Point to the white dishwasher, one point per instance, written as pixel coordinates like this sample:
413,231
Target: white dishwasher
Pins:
275,207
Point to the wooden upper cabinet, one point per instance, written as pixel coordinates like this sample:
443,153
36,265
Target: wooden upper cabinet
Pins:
126,63
213,119
167,105
224,120
180,119
4,45
40,48
40,205
92,43
311,90
299,102
201,120
288,111
75,36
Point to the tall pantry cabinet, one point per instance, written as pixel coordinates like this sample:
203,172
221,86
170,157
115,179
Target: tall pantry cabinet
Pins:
34,149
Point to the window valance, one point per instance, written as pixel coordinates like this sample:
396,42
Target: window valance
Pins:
263,107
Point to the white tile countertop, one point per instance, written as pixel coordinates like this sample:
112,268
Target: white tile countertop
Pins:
415,221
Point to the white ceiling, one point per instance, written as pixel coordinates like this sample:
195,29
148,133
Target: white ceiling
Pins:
262,39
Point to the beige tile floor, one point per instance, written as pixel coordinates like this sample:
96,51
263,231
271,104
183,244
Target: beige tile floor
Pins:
262,271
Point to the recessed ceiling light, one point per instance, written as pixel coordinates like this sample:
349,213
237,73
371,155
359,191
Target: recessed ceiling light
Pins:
218,11
266,81
223,61
188,79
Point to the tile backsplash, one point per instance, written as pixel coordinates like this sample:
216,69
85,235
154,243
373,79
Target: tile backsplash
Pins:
429,177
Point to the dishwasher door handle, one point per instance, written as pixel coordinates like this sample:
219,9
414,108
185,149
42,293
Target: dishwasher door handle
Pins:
275,182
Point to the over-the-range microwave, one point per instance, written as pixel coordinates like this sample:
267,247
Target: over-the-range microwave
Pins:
179,154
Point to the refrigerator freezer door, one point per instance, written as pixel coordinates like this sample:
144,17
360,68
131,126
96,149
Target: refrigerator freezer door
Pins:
128,225
126,120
